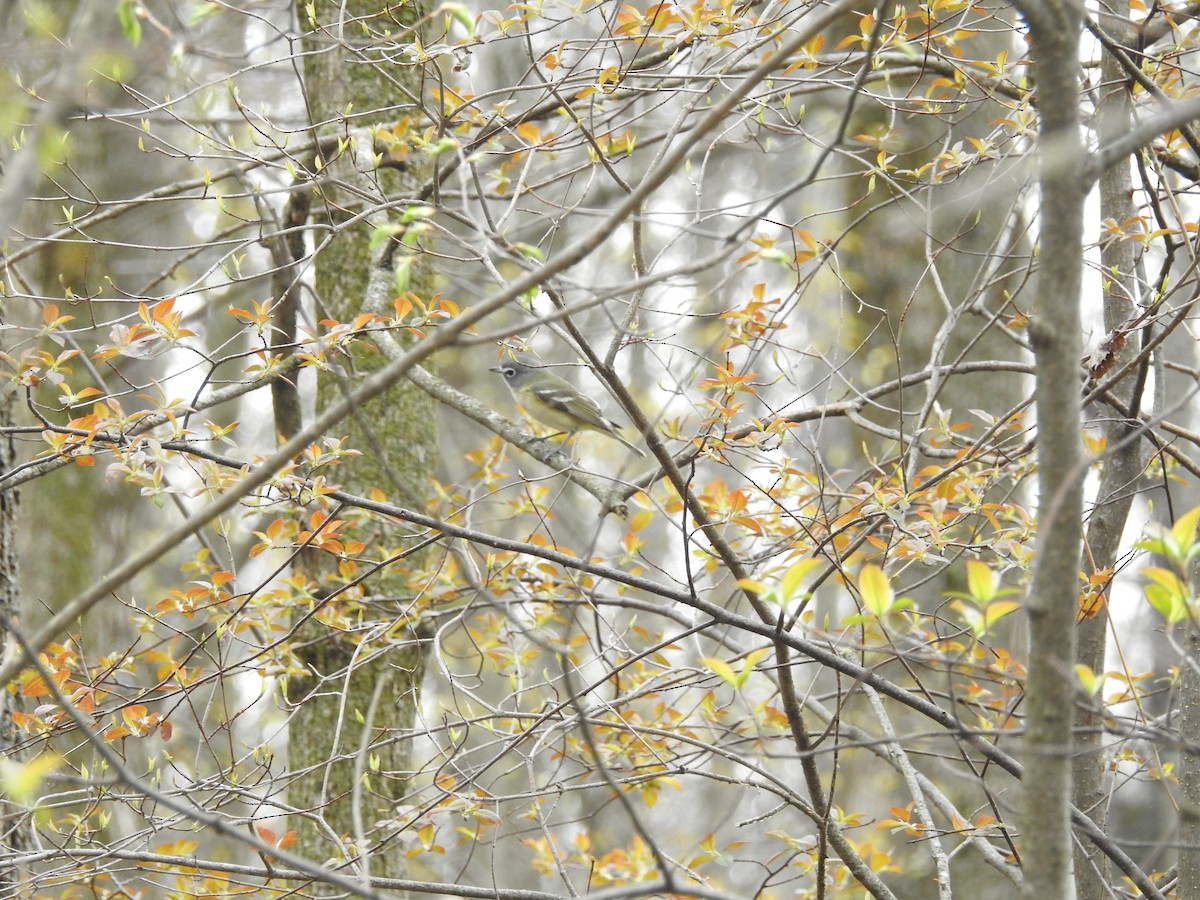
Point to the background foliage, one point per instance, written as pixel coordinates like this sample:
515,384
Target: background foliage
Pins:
297,602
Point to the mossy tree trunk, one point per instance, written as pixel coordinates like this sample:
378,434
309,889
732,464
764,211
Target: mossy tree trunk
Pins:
349,733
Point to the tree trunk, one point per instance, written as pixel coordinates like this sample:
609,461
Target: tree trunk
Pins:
12,817
1189,781
350,731
1055,333
1118,479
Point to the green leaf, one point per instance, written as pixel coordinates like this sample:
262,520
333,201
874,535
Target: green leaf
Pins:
416,213
794,575
459,14
445,145
1184,529
1177,543
529,251
402,277
980,620
876,590
970,615
721,668
131,22
982,581
750,662
203,11
994,612
1167,594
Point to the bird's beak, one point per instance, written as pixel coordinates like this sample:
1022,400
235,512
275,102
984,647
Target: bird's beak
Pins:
496,369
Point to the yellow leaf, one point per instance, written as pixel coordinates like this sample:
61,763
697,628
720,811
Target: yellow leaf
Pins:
998,610
23,781
876,590
794,575
1087,678
641,519
981,580
721,668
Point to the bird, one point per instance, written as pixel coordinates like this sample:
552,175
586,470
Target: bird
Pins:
556,402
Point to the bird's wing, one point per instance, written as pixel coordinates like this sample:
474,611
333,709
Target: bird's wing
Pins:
571,403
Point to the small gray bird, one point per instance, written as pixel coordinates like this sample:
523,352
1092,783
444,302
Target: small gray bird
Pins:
556,402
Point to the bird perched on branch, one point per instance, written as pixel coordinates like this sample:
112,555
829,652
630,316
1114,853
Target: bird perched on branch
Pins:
556,402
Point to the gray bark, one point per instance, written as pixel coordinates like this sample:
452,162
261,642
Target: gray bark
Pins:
1055,334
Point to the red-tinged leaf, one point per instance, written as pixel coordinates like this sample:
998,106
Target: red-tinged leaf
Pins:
751,524
640,519
35,687
529,132
24,721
